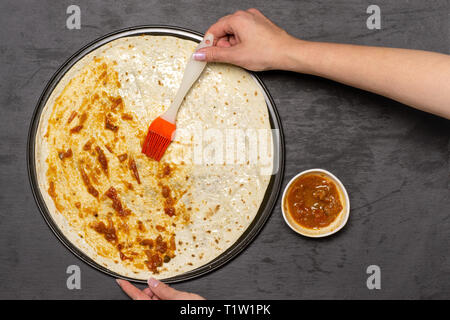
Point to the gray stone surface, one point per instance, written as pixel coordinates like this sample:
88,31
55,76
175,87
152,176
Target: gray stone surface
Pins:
394,160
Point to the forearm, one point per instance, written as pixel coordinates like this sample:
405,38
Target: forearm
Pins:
420,79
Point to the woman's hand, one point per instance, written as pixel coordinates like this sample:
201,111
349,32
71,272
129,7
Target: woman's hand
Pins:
250,40
156,291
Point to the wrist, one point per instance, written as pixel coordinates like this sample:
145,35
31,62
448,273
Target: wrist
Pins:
295,56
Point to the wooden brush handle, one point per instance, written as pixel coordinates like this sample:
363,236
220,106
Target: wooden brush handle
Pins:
191,73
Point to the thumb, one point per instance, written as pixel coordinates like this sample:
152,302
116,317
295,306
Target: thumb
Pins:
216,54
163,291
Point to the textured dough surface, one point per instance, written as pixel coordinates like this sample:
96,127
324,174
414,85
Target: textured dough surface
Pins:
101,110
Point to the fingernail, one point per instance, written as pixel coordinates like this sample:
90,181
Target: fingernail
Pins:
208,38
153,283
199,56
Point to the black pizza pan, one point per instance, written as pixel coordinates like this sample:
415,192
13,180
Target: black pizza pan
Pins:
266,206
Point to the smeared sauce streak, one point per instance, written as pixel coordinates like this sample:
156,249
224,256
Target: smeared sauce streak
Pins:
170,211
122,157
102,159
116,203
82,120
160,228
127,117
51,190
76,129
134,170
166,170
169,201
109,125
71,117
123,257
154,261
87,182
63,155
147,242
88,144
109,148
109,231
116,103
166,192
159,252
161,246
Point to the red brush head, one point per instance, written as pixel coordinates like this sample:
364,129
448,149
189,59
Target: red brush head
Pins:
160,134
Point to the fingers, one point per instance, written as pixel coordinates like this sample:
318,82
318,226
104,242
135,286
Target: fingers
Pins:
226,41
255,11
133,292
221,28
163,291
148,292
223,42
218,54
226,38
156,291
232,40
229,24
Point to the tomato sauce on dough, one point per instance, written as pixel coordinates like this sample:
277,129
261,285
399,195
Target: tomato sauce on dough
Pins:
313,201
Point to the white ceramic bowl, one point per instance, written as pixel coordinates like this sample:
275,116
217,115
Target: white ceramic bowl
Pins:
333,227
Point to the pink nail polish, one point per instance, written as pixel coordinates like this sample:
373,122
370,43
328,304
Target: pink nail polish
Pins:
199,56
153,283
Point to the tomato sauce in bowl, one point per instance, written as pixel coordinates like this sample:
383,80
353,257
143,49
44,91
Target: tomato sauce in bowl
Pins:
315,203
